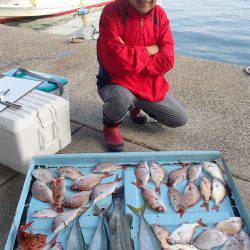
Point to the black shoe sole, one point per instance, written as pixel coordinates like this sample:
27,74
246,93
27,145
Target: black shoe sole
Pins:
115,148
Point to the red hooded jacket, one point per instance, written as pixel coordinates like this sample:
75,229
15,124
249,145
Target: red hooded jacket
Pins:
130,64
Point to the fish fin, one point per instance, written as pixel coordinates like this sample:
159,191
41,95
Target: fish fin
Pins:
139,185
106,174
201,224
118,179
158,190
100,211
184,164
216,207
181,211
23,227
139,210
205,205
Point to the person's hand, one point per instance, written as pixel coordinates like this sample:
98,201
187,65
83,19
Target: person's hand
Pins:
121,40
153,49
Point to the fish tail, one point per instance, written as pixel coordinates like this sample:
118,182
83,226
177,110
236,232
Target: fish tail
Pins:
200,223
53,241
216,207
107,175
206,205
139,210
23,227
137,184
181,211
184,164
118,179
158,190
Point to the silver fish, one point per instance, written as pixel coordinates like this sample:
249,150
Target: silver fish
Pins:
106,167
42,192
147,238
157,175
162,234
70,172
180,247
206,191
184,233
178,175
77,200
58,188
176,200
62,220
194,173
230,226
44,175
75,239
120,228
213,169
100,240
210,238
191,196
45,213
218,193
152,198
101,191
87,182
142,173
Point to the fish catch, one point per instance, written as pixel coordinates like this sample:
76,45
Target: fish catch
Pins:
206,191
76,239
142,173
87,182
44,175
106,167
42,192
69,172
176,200
101,191
157,175
218,193
63,219
100,239
230,226
184,233
120,228
77,200
147,238
194,173
58,188
162,234
178,175
214,170
210,238
45,213
152,198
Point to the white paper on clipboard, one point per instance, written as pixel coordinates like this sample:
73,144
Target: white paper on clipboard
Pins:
18,87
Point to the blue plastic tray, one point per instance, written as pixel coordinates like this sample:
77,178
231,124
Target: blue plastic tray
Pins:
132,195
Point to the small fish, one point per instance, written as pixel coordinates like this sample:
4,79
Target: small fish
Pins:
176,200
162,234
44,175
106,167
58,188
87,182
101,191
194,173
206,191
152,198
69,172
77,200
120,228
142,173
184,233
157,175
45,213
230,226
100,240
214,170
178,175
191,196
42,192
147,238
180,247
210,238
62,220
218,193
76,239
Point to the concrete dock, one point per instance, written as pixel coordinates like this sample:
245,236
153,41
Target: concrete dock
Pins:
215,94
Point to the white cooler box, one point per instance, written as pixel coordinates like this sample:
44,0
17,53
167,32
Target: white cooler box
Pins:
41,127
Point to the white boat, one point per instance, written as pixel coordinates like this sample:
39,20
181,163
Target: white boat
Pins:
15,9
